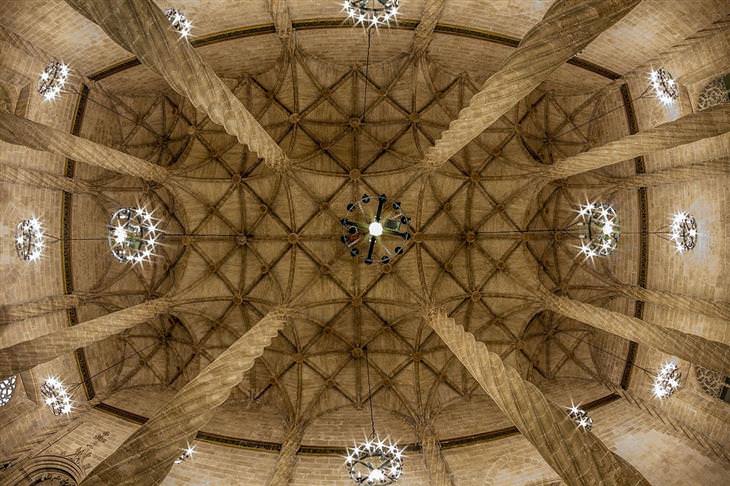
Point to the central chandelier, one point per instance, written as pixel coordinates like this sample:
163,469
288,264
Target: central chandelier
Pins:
378,232
52,80
666,381
179,22
374,462
371,13
133,235
56,396
580,417
601,230
664,85
29,240
683,231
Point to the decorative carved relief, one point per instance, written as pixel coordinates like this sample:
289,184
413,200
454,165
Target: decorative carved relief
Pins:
7,387
715,93
47,470
82,454
54,479
711,382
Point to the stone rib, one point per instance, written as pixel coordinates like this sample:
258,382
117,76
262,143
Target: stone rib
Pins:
568,26
20,131
577,456
695,349
27,354
141,27
287,459
148,454
690,128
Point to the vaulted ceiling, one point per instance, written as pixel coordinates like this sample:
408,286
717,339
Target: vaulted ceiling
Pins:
242,238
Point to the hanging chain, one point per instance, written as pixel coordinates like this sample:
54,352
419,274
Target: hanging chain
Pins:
370,396
367,66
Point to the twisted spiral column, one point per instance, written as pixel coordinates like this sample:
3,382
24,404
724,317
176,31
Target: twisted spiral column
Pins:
45,180
702,413
694,424
432,11
438,470
690,128
287,459
148,454
282,23
577,456
697,425
27,354
711,169
691,348
28,310
567,27
20,131
710,308
141,27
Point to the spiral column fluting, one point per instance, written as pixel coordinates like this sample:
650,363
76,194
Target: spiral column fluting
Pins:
576,455
147,455
27,354
691,348
565,30
690,128
20,131
141,27
287,459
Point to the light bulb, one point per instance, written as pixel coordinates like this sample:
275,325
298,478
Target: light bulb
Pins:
375,228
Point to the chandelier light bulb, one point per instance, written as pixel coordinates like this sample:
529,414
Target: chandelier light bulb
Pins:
186,454
683,231
580,417
601,230
664,85
7,387
52,80
179,22
375,228
56,396
133,234
374,462
371,13
667,380
29,240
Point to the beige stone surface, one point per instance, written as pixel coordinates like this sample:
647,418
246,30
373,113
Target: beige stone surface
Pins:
241,239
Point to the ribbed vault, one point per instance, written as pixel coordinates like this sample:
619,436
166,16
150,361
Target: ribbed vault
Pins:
488,304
